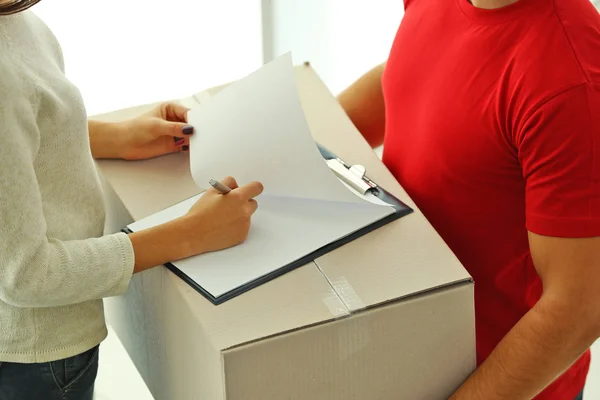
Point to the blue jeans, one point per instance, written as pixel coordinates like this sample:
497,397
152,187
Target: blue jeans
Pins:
580,397
68,379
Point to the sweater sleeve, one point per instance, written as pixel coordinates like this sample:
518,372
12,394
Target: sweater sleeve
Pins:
36,269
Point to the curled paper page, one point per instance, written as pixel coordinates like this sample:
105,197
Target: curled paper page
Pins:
255,130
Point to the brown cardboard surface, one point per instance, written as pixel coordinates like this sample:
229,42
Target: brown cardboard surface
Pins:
421,348
297,299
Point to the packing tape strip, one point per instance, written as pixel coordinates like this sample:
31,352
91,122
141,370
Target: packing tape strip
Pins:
344,291
353,334
348,295
336,307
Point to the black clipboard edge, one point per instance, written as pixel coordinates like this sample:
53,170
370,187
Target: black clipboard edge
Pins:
400,208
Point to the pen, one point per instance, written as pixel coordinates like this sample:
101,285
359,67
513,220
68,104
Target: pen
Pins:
224,189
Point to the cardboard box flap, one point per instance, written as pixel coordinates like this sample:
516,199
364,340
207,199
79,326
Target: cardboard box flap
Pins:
293,301
166,180
401,259
421,348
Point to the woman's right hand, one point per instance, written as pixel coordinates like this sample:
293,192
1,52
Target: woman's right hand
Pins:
218,221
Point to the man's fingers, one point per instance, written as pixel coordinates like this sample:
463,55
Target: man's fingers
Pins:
251,190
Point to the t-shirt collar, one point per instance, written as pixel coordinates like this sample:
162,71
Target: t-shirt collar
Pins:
503,14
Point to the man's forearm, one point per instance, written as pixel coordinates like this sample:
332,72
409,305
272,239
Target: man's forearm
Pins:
104,139
547,341
364,104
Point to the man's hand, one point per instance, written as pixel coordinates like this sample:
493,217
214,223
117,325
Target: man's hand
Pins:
554,333
161,131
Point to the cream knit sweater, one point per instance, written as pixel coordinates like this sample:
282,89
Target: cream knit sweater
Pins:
54,265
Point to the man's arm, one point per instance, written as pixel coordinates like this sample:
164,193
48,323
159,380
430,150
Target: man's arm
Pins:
557,148
364,104
554,333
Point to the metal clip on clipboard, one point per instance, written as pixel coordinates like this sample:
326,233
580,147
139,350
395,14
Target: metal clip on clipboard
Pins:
355,177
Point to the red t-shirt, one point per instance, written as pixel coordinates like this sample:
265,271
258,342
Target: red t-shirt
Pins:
493,128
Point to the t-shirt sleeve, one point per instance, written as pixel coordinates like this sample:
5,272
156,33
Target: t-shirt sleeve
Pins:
559,152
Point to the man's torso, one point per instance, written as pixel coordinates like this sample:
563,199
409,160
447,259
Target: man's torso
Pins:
460,86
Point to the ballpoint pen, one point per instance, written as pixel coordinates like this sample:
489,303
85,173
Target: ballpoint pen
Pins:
222,188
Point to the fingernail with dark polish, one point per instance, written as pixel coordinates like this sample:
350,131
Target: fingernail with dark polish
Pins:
185,148
188,130
178,140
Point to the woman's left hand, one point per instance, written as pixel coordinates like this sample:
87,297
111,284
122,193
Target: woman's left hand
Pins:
161,131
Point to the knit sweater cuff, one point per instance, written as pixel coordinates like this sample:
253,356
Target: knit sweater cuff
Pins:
125,257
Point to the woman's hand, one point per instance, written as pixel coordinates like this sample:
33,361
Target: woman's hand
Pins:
161,131
217,221
222,220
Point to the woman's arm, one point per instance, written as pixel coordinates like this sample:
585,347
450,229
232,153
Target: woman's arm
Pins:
40,270
105,139
215,222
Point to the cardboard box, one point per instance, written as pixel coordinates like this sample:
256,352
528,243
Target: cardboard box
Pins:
387,316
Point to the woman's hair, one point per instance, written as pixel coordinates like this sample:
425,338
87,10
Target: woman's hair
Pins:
16,6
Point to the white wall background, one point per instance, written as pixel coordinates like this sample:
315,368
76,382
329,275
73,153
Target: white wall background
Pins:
127,52
341,38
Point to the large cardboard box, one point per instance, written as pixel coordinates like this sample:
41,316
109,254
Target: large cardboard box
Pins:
387,316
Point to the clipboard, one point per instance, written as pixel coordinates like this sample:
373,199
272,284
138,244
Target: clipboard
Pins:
355,177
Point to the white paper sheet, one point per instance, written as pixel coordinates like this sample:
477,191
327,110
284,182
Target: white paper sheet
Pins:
255,130
283,230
